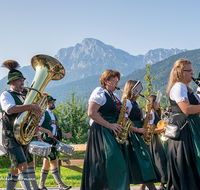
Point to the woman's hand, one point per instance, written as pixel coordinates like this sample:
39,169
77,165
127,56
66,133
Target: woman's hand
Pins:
142,131
116,128
127,110
150,116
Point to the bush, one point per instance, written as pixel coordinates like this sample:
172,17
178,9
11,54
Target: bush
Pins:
5,162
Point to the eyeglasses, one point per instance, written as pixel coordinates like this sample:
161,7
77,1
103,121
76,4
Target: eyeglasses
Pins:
190,71
114,80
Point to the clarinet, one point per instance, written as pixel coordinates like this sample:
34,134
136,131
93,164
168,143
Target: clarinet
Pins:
196,81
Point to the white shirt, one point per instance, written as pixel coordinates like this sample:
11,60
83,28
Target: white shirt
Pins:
52,118
7,101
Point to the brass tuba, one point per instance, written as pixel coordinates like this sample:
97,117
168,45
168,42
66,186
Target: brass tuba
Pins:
123,121
47,68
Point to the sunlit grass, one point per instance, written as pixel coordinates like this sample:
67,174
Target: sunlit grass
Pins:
68,176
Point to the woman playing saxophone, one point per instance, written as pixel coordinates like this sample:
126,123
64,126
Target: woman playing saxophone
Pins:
156,147
105,164
139,156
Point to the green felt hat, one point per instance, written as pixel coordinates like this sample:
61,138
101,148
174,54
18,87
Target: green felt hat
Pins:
49,98
14,74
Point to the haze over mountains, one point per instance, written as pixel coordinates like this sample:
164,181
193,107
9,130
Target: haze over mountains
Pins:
87,60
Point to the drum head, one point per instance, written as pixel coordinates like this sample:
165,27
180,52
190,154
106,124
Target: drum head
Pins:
40,144
65,148
39,148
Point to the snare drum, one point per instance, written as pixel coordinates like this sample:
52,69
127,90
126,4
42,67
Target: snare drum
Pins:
65,148
39,148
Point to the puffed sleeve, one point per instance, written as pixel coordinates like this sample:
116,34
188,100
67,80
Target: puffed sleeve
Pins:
178,92
129,105
98,96
153,118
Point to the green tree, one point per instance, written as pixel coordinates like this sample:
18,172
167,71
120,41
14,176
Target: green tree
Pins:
73,114
149,90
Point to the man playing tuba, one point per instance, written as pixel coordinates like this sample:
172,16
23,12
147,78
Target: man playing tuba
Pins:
12,104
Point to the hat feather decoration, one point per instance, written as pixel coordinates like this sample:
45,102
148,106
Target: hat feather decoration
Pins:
11,64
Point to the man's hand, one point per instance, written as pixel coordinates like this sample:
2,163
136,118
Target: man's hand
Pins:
36,108
50,134
36,130
67,135
38,135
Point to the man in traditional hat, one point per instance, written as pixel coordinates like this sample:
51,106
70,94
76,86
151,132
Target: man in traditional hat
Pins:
12,104
50,123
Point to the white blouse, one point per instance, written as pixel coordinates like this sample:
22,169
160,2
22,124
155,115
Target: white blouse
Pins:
98,96
178,92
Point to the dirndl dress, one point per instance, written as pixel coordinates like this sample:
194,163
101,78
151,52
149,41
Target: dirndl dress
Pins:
158,153
183,153
141,164
106,163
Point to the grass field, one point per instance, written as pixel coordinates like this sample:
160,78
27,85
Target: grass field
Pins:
69,177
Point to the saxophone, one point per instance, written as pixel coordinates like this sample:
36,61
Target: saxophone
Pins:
123,121
150,130
47,68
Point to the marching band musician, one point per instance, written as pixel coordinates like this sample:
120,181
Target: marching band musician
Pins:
183,152
49,122
156,147
105,163
12,104
142,167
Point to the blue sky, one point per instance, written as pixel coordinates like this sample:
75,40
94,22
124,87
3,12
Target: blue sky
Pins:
136,26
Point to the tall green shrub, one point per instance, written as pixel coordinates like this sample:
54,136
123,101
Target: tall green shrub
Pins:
73,114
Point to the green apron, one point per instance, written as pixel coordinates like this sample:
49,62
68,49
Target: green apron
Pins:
144,157
194,123
116,160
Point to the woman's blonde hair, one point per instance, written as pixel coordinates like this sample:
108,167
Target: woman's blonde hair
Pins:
107,74
128,89
177,74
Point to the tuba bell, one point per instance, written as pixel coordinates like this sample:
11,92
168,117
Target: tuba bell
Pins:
47,68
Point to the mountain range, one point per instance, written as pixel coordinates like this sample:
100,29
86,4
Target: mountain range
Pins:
86,61
160,70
